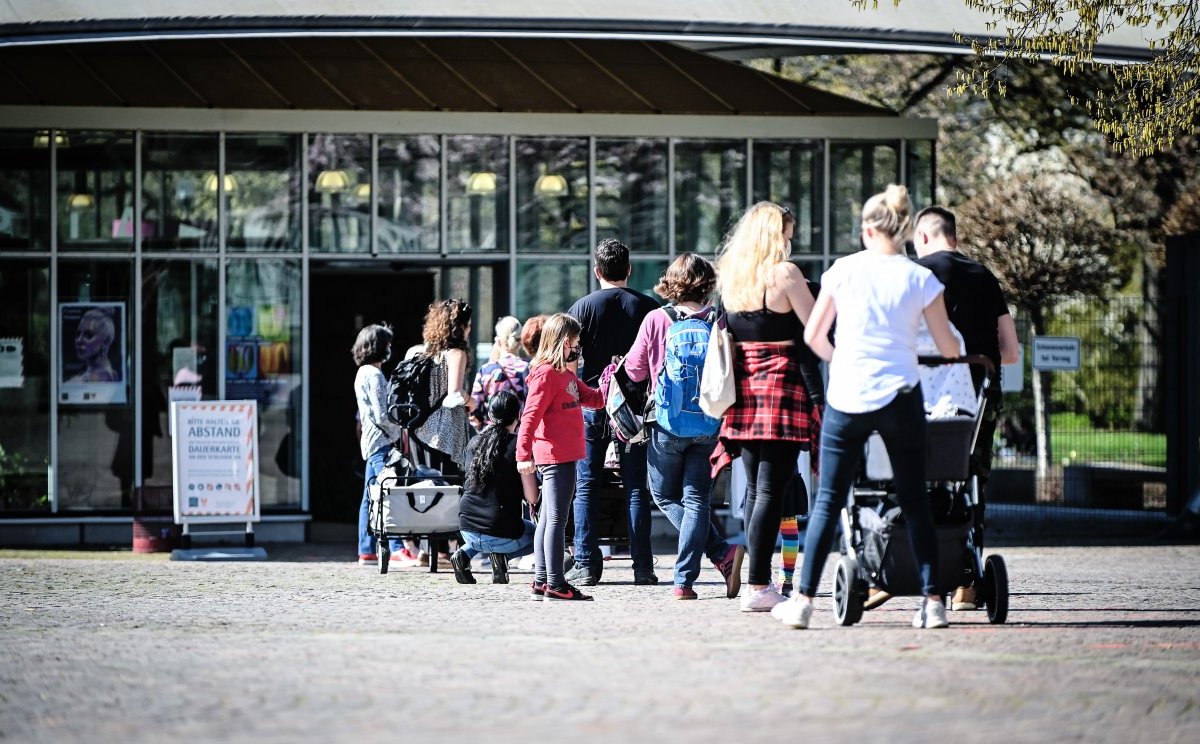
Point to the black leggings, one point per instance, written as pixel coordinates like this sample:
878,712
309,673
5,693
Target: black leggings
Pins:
770,467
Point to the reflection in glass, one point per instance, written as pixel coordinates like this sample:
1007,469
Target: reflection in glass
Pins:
408,194
262,191
631,193
549,287
24,190
179,360
477,193
262,362
920,169
552,203
858,172
339,193
24,386
96,440
645,275
790,174
179,211
95,191
710,192
480,287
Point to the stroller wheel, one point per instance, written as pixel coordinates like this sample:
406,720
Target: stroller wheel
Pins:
995,585
384,554
847,595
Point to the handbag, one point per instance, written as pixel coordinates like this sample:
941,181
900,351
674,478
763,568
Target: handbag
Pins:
625,403
718,389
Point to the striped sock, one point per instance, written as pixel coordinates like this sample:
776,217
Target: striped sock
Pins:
791,546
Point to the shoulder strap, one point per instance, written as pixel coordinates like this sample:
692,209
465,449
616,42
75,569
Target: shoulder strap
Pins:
671,312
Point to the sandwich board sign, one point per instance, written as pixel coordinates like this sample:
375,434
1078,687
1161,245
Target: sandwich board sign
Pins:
215,455
1056,353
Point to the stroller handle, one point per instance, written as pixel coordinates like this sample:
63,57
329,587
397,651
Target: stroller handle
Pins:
937,361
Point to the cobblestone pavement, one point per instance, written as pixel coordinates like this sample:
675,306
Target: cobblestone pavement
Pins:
1103,643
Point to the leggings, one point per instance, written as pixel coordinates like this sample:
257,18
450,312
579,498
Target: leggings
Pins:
770,466
558,489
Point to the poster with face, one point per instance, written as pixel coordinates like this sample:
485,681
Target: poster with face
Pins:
91,360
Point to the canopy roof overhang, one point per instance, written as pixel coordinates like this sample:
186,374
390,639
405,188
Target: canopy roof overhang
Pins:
732,28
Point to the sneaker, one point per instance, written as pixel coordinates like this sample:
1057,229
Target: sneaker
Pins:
794,613
461,563
565,593
422,558
761,600
499,568
581,575
367,559
931,615
730,568
644,579
875,597
684,592
537,592
964,599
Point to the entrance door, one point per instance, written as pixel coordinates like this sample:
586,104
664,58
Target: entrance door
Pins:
343,301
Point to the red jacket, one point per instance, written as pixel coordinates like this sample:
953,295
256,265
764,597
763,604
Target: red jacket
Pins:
552,423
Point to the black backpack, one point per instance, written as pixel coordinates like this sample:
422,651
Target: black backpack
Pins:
409,403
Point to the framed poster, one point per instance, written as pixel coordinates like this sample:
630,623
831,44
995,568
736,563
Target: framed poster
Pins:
215,455
92,353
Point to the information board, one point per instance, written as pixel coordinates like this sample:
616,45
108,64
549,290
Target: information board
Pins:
215,455
1056,352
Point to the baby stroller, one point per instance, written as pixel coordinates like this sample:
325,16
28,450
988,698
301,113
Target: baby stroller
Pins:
875,547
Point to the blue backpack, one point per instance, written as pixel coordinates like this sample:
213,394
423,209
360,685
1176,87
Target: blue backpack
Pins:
677,389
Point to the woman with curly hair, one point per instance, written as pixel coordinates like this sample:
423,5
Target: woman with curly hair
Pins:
446,431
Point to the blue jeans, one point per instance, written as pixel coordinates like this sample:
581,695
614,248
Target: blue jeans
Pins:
475,543
366,543
901,424
633,477
678,476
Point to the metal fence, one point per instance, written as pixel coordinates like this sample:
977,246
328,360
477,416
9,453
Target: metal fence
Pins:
1106,445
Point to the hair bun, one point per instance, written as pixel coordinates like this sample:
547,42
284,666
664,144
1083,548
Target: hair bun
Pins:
896,197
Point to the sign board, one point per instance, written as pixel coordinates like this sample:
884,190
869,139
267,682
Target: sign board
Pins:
12,362
1012,376
1056,352
92,353
215,455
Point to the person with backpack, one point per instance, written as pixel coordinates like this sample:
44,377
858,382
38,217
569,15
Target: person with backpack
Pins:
550,441
669,351
444,434
372,348
489,515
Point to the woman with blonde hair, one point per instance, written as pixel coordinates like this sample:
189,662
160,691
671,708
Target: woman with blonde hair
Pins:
506,370
767,301
878,297
550,441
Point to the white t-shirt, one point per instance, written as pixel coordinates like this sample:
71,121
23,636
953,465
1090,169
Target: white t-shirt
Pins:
880,300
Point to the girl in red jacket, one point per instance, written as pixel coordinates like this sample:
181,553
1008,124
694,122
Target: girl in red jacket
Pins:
551,439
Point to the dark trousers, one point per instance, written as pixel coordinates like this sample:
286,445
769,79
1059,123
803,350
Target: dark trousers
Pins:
770,467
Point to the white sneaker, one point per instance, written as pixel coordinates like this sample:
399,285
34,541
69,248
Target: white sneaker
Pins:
931,615
794,613
761,600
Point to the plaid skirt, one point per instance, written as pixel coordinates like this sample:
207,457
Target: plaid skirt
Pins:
772,403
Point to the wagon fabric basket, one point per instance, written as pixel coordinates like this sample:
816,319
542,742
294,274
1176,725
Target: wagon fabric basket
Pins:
422,508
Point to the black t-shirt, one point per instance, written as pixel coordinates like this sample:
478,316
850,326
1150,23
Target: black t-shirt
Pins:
611,319
498,511
974,300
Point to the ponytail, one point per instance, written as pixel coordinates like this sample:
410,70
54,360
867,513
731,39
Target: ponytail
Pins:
492,442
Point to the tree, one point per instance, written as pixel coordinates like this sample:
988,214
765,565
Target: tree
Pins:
1148,105
1045,241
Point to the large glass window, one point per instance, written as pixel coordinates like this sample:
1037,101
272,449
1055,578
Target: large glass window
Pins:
552,195
262,362
477,194
95,396
179,357
859,170
262,192
631,193
791,174
920,170
95,191
645,275
408,201
24,386
25,188
339,193
710,192
549,286
179,187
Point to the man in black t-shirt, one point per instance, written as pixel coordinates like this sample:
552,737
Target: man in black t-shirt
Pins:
975,304
611,317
